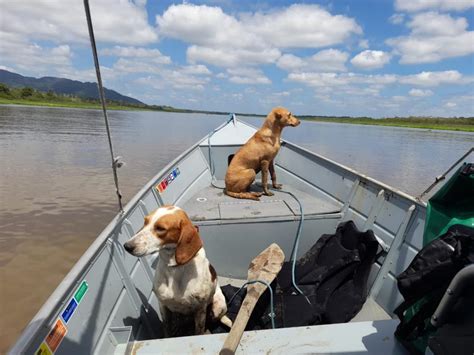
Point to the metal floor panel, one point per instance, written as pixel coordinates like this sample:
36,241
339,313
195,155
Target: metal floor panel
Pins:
212,204
370,311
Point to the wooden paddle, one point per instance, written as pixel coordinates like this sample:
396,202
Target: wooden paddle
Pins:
264,266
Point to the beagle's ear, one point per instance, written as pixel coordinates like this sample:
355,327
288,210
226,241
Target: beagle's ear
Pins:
277,114
189,243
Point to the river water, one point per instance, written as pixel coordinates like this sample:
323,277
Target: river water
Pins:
57,192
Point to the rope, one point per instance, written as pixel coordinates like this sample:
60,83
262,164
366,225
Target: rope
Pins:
212,167
295,246
115,160
272,312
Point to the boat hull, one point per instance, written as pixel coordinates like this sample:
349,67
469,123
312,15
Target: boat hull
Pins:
119,307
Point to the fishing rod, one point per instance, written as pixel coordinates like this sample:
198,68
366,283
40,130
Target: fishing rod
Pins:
116,163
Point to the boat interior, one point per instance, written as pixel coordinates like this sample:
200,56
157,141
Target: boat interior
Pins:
119,312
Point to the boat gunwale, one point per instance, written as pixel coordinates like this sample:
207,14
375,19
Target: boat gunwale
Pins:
45,315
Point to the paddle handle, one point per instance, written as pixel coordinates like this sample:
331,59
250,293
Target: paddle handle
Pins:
238,327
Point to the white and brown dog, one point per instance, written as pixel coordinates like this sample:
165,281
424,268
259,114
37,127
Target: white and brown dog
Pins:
185,282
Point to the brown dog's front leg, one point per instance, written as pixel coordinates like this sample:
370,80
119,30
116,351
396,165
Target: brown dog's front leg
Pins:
274,177
265,166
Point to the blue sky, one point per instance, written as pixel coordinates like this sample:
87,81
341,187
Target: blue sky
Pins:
376,58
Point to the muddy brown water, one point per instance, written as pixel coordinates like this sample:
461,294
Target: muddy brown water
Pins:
57,193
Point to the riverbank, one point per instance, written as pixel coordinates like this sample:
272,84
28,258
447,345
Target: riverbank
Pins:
67,104
446,124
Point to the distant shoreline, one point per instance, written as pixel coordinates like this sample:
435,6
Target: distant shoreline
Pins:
445,124
442,124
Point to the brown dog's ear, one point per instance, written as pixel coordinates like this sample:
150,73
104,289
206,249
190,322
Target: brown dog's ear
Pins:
277,114
189,243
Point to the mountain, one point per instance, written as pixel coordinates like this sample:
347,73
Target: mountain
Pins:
63,86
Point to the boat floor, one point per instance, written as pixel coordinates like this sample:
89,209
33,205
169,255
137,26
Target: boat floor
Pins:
211,203
373,334
371,310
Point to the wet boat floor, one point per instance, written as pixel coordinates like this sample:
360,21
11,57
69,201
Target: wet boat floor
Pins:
211,203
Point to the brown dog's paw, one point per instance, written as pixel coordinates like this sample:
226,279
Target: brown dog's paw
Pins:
277,186
268,193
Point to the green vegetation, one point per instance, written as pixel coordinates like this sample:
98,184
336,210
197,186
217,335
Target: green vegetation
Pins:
29,96
450,124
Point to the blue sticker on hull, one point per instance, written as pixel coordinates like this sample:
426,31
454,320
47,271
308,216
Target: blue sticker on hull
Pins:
68,312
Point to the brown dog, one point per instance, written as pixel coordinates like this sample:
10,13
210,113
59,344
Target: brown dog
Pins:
257,155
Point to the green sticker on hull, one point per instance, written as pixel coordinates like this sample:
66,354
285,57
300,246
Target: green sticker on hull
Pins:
81,291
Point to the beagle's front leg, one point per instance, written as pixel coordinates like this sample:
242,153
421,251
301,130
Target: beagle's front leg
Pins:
166,321
265,165
200,321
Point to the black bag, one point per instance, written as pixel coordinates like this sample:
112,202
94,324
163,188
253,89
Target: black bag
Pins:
332,275
424,282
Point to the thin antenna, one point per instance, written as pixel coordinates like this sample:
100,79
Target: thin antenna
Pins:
115,160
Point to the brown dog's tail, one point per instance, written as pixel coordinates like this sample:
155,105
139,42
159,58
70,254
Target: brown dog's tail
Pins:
247,195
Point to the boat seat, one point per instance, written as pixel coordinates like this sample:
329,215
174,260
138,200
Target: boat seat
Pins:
211,203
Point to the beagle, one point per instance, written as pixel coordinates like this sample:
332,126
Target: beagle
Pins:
185,282
257,155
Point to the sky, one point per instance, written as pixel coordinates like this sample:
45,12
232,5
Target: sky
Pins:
376,58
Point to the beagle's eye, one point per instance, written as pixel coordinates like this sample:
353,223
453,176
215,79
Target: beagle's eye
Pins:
160,229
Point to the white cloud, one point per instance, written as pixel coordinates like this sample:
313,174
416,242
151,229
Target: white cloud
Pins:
62,21
397,19
256,38
436,24
137,65
178,78
463,104
37,37
323,61
434,37
327,80
247,76
353,83
369,59
302,26
420,93
31,58
226,57
398,98
417,5
434,78
204,25
137,52
196,70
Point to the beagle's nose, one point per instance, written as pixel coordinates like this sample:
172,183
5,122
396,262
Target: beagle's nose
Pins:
128,247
